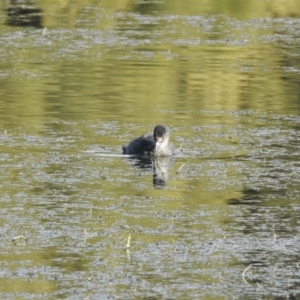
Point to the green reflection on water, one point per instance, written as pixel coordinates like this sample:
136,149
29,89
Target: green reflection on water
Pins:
148,63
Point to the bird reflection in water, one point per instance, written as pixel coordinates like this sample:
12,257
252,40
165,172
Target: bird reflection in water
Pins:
160,166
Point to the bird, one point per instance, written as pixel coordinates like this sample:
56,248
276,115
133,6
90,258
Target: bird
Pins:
156,144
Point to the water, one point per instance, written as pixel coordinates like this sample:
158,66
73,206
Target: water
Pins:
82,221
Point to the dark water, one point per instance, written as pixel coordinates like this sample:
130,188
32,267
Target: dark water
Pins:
81,221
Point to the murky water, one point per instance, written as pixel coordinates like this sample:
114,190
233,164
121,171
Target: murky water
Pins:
79,220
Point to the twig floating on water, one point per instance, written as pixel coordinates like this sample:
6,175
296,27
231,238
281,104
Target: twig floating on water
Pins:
274,232
19,237
243,275
45,32
128,241
180,168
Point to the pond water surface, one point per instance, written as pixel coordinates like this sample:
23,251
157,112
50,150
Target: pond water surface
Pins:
219,220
